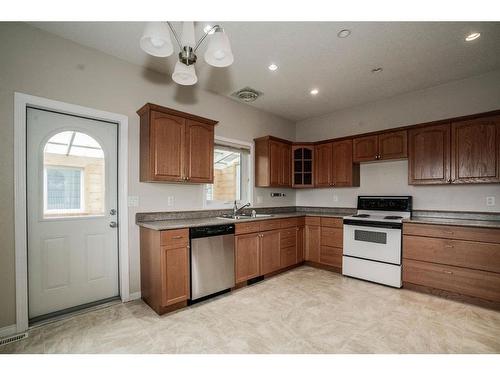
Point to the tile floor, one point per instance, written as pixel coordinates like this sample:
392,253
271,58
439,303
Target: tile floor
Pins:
305,310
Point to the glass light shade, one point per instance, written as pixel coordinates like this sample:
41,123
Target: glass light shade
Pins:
156,40
219,52
184,75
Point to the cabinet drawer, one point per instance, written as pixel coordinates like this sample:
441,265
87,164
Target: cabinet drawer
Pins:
269,225
453,232
174,238
331,256
287,242
332,237
288,233
478,255
301,221
287,223
465,281
288,256
252,227
313,220
334,222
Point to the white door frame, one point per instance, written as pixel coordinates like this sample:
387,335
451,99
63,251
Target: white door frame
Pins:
21,102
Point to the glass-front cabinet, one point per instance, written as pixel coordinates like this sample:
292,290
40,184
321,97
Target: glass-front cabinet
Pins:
303,161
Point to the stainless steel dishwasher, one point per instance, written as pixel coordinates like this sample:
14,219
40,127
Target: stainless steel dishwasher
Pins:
212,261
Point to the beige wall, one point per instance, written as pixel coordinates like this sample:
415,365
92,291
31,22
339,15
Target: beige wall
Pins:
38,63
472,95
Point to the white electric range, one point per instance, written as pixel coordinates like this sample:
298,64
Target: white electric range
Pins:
373,239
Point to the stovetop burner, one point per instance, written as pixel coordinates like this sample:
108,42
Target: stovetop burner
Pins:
361,215
393,217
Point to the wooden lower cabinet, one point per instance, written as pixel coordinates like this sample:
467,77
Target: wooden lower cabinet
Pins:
270,253
469,282
247,256
312,242
300,243
331,256
164,268
459,262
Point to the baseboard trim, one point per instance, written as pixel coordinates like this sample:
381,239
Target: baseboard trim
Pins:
8,330
134,296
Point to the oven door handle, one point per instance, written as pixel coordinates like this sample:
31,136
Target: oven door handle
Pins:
373,224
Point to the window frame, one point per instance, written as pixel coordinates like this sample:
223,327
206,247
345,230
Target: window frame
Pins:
234,143
51,213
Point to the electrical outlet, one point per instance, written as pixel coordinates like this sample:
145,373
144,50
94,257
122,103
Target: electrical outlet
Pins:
133,201
490,201
335,198
260,199
170,200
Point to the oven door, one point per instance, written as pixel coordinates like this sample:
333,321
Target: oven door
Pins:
373,243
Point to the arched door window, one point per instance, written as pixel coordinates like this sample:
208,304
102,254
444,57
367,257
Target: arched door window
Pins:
74,176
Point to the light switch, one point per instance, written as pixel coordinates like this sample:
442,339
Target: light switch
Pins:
490,201
260,199
335,198
133,201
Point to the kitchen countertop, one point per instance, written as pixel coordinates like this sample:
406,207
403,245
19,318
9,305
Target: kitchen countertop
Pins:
453,221
209,221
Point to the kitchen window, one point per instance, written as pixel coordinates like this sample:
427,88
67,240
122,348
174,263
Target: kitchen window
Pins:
231,177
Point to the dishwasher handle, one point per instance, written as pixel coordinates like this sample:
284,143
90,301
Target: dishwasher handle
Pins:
210,231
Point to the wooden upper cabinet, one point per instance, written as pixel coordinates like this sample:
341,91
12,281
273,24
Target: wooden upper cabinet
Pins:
175,146
323,161
199,152
166,158
365,148
345,173
384,146
475,150
429,155
273,163
302,166
393,145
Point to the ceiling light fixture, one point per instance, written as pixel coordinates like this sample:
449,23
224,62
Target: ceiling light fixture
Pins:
377,70
272,67
344,33
156,41
472,36
314,92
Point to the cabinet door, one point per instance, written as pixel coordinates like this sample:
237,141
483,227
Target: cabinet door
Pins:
312,242
300,244
365,148
167,142
275,163
429,155
270,251
302,166
286,165
342,163
199,152
247,256
323,165
175,275
393,145
475,152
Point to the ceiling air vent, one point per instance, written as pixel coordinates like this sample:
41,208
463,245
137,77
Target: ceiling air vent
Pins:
247,94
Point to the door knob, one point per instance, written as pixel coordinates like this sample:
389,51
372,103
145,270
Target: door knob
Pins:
113,224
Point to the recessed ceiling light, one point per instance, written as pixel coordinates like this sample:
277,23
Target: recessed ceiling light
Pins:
377,70
344,33
314,92
208,29
472,36
272,67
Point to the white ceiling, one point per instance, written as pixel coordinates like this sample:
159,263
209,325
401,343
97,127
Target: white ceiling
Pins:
309,54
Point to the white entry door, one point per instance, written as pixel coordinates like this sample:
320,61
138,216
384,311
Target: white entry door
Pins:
72,211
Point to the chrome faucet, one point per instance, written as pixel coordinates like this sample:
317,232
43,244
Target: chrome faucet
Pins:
237,210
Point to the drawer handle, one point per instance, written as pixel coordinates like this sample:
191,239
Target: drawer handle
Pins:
449,246
449,232
177,237
448,272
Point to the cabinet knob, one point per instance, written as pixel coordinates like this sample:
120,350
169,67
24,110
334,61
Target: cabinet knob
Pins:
449,180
